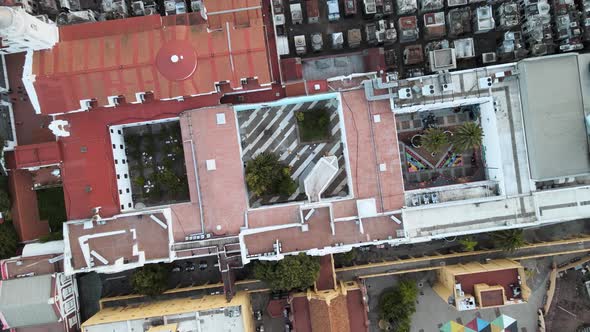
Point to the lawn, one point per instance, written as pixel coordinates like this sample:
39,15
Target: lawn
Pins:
313,125
52,207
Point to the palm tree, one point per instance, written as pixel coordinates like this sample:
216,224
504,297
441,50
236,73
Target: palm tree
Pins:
508,240
467,136
434,139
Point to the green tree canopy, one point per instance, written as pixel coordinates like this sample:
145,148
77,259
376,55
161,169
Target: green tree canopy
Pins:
4,201
434,139
467,136
508,240
8,240
151,279
266,175
398,304
292,272
345,258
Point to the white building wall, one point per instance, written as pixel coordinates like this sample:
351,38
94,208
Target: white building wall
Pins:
21,31
491,145
121,168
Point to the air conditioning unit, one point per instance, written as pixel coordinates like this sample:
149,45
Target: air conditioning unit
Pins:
447,87
405,93
138,8
428,90
488,57
486,82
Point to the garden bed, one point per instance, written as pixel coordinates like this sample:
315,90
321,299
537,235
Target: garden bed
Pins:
52,207
313,125
156,163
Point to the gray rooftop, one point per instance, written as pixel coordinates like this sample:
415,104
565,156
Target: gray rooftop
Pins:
553,111
25,301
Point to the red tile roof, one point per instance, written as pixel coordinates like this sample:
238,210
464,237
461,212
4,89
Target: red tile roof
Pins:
30,127
291,69
326,278
340,314
98,60
492,298
301,320
329,317
357,311
89,177
34,155
503,278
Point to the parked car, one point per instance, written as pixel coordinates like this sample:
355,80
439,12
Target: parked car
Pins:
258,315
202,265
333,10
190,266
176,268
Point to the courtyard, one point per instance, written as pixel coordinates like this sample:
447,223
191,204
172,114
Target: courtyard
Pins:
424,168
298,134
432,313
156,164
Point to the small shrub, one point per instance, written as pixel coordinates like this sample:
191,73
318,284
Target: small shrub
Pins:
468,243
139,181
300,116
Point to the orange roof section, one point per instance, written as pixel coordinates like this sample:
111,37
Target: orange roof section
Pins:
329,316
239,12
100,60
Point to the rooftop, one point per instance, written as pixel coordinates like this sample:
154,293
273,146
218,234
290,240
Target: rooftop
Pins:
30,266
222,188
25,211
179,57
374,170
203,313
112,244
342,309
25,301
88,148
554,116
504,278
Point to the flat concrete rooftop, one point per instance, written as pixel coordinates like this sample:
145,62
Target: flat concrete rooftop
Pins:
119,241
554,118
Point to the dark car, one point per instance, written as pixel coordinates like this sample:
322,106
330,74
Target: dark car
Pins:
190,266
203,265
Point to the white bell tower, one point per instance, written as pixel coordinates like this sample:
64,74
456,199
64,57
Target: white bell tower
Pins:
21,32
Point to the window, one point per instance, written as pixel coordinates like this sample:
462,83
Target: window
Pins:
70,305
72,321
67,292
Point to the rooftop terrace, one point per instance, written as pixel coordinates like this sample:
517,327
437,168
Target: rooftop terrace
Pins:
116,244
